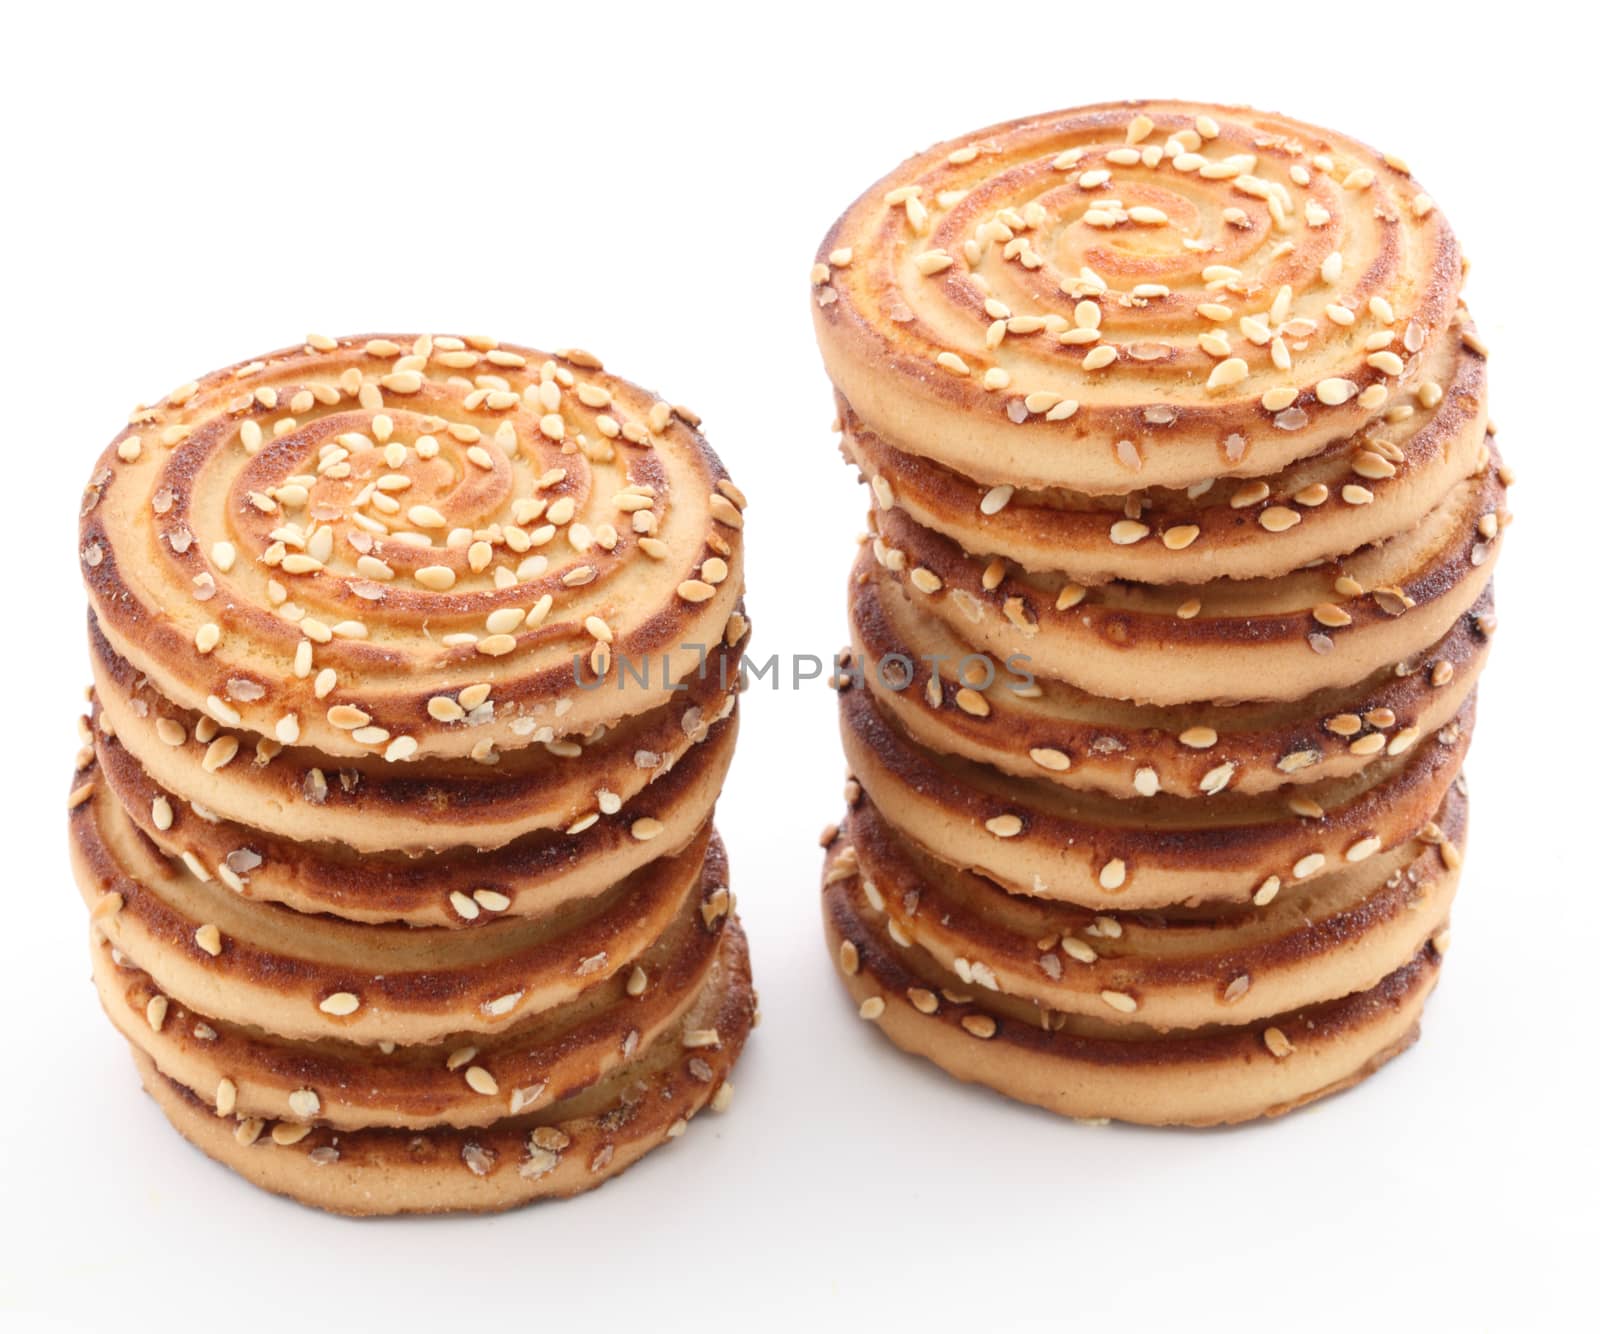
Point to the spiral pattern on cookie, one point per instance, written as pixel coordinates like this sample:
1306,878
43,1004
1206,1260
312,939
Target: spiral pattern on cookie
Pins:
1133,295
412,545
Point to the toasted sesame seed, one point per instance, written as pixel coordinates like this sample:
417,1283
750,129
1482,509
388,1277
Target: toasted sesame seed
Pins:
971,701
1309,865
1227,373
849,958
1360,850
1114,874
980,1025
1277,1042
995,499
340,1003
871,1008
1120,1001
1078,950
481,1081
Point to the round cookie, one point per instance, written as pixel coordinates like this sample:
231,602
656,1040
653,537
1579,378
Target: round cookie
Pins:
328,543
955,701
568,1147
304,976
1088,1068
1104,852
1281,638
469,1079
372,806
532,876
1174,968
1136,294
1353,493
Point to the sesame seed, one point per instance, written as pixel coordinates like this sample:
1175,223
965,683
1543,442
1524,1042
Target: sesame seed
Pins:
1047,757
1227,373
1360,850
340,1003
995,499
1120,1001
871,1008
1114,874
1277,1043
849,958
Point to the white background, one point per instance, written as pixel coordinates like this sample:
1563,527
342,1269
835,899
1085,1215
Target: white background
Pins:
185,189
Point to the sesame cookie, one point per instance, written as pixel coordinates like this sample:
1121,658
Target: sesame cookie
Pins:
1331,625
1170,968
1353,493
954,700
1035,837
334,543
1125,1071
304,976
372,805
1136,294
534,875
561,1150
466,1079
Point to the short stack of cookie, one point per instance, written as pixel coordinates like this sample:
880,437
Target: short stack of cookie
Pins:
394,812
1166,634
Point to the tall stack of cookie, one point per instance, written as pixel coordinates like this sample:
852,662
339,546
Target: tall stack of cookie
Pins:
1166,636
394,809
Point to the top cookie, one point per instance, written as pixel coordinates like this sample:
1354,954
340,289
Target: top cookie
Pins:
412,545
1134,295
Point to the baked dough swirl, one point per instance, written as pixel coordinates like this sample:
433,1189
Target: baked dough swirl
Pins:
412,546
1135,294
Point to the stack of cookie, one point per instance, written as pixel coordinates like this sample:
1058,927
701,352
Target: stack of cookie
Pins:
1166,636
394,809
